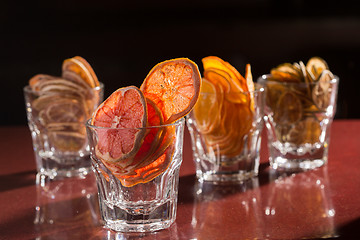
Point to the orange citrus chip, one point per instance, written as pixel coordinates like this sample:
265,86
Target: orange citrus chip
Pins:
174,86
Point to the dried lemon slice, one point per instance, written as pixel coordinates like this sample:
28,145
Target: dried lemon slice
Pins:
288,109
321,93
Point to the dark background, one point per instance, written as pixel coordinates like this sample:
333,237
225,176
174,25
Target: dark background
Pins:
124,40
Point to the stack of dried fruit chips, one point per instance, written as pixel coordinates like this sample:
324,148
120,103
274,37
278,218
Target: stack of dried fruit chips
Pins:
136,135
224,111
299,95
64,103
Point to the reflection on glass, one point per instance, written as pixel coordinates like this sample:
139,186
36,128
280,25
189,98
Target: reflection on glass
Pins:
66,209
299,206
240,219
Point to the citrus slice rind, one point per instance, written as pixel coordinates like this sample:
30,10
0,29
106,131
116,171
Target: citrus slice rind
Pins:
174,86
121,118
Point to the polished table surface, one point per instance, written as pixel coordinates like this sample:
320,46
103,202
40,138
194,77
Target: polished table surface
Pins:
321,203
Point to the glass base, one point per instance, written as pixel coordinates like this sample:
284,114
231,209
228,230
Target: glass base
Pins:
224,177
67,166
289,157
236,169
281,163
134,219
144,207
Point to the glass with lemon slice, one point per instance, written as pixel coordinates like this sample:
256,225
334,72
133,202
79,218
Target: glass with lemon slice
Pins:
300,107
57,108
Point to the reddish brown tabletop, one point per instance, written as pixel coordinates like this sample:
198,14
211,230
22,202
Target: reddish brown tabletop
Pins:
314,204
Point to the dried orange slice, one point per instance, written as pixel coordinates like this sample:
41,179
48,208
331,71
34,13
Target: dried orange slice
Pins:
237,82
126,111
82,68
174,86
206,110
223,128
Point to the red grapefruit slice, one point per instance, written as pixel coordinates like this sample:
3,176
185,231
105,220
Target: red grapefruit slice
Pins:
125,112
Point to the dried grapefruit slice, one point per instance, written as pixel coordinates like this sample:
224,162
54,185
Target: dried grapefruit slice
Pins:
81,67
174,86
126,111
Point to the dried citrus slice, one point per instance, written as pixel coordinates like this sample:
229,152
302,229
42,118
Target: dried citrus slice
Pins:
153,136
126,111
250,85
321,93
305,131
288,109
155,164
316,66
206,110
81,67
38,79
237,82
174,86
67,137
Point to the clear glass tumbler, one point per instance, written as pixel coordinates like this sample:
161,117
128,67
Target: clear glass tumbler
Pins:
298,117
226,135
56,119
139,193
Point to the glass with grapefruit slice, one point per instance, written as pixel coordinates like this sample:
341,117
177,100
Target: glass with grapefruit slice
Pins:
57,108
300,107
136,141
226,123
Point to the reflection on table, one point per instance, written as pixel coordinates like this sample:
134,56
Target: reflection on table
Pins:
67,208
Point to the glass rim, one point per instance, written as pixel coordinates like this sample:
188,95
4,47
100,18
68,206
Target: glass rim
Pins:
27,88
263,79
180,121
258,88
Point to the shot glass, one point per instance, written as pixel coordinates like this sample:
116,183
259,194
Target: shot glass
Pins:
226,135
139,193
56,119
298,117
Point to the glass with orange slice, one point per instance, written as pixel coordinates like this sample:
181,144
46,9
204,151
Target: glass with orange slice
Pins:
226,123
136,141
300,107
57,109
